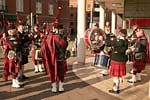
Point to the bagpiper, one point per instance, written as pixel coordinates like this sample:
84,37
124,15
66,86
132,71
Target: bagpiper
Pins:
12,56
54,54
36,49
25,42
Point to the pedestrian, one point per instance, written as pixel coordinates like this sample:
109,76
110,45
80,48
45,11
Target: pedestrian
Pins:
140,50
118,60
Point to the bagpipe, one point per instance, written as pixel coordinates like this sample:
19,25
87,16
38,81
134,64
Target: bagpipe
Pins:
52,27
14,48
55,26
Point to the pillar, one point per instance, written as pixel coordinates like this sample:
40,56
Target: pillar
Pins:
91,16
129,23
80,32
124,24
101,17
31,19
113,22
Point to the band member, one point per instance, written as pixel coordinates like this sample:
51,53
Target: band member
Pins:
36,49
141,55
107,49
107,28
118,59
25,41
132,38
12,56
56,65
2,40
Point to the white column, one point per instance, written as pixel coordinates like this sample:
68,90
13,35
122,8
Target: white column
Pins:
113,23
124,24
80,32
101,17
129,23
31,19
119,21
91,16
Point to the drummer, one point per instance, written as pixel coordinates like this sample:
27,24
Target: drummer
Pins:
118,60
107,49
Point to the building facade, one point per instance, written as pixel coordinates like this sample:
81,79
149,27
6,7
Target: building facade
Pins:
40,10
92,13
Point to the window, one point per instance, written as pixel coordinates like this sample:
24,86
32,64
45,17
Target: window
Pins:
2,5
96,14
38,7
71,23
96,4
71,14
19,6
89,6
51,9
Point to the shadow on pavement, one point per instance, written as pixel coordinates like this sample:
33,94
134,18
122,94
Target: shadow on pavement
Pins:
43,90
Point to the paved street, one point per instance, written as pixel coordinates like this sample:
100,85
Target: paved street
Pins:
81,83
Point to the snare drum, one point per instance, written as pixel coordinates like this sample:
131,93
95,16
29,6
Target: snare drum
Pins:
38,54
101,60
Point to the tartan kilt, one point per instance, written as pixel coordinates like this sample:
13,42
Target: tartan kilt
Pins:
139,65
61,68
117,68
33,55
24,59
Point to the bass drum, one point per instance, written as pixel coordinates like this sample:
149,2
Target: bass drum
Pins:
94,37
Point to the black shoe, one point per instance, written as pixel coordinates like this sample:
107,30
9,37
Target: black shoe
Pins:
105,74
36,71
21,78
24,77
115,92
21,85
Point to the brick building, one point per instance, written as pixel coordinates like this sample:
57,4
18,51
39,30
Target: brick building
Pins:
41,10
